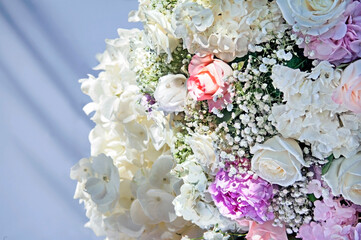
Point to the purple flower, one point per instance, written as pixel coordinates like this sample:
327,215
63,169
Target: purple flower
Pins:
147,101
342,43
243,196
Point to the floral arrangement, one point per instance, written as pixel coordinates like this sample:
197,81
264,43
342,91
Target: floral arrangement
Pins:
227,119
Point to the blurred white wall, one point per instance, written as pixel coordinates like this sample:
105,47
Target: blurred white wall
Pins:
45,47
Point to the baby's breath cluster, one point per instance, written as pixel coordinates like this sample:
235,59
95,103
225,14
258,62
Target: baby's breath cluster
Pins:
247,122
291,205
156,65
222,117
181,149
311,160
197,116
165,7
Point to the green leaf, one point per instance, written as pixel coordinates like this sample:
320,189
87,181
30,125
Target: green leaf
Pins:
227,116
299,61
295,62
327,166
311,197
291,237
341,66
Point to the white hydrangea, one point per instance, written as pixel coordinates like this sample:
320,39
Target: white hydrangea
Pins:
99,221
194,203
225,28
104,139
123,128
157,26
114,91
310,115
95,222
202,147
151,211
129,196
213,235
99,179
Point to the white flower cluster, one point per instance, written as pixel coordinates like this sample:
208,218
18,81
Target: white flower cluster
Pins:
225,28
310,115
194,203
98,180
212,122
129,193
157,26
312,17
291,206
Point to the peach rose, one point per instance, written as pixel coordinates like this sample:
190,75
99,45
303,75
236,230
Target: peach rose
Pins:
206,76
349,92
265,231
206,79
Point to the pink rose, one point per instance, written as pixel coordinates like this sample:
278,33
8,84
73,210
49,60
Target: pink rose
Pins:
265,231
349,91
206,80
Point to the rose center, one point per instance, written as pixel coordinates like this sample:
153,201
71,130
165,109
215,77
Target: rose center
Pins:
356,189
273,169
319,5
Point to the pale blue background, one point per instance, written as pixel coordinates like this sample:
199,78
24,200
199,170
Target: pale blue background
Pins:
45,47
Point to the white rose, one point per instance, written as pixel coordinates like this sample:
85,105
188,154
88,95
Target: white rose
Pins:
313,17
278,160
344,177
171,93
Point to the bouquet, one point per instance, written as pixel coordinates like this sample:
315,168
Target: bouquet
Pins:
227,119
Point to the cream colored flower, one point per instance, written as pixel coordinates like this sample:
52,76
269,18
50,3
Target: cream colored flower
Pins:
158,28
225,28
344,177
100,180
121,223
349,92
278,160
137,136
310,115
203,149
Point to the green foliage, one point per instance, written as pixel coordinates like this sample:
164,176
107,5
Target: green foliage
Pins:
299,62
327,166
156,66
291,237
311,197
165,5
182,149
